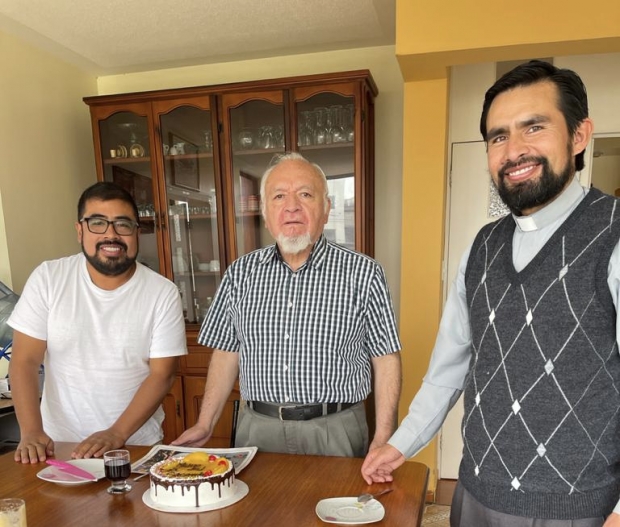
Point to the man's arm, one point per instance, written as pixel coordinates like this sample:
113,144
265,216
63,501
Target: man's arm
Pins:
223,372
145,401
440,389
26,357
387,385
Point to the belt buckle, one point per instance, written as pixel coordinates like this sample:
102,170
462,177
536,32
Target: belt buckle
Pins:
280,408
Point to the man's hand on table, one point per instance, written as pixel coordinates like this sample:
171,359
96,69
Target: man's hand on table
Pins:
380,463
97,444
196,436
33,448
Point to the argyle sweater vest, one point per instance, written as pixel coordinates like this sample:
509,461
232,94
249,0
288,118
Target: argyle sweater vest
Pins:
542,398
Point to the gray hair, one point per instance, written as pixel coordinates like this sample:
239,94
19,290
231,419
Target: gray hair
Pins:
290,156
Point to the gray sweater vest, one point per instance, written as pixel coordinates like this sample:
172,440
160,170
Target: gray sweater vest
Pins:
542,427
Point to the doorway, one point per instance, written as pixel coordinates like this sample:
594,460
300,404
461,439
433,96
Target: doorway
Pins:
604,162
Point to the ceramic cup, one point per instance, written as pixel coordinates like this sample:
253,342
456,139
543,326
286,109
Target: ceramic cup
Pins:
214,265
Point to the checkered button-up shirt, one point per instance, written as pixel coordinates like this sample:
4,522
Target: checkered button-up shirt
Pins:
305,336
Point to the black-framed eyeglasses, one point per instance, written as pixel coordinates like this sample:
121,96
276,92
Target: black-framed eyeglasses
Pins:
98,225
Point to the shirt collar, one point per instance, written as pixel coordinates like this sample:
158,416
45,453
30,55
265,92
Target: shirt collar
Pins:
565,202
317,255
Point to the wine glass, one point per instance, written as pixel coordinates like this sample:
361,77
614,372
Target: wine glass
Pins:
305,135
117,469
266,138
336,129
321,129
349,122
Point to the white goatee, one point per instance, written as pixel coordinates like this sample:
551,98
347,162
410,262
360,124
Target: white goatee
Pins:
294,244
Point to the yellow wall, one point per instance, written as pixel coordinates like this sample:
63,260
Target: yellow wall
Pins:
422,240
46,157
431,37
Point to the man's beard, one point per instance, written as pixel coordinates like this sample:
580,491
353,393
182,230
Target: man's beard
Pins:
294,244
110,266
533,193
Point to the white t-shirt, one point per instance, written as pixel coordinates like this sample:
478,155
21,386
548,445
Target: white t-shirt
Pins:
98,344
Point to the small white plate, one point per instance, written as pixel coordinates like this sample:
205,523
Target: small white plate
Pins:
55,475
241,491
348,511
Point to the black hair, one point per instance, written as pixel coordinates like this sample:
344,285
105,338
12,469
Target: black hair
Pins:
573,99
106,191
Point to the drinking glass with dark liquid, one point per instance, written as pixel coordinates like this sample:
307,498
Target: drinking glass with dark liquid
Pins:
117,469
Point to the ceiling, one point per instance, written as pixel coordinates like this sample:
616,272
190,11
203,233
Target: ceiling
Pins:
123,36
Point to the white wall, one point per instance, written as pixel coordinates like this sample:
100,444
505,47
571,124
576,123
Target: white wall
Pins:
600,74
606,173
46,157
381,61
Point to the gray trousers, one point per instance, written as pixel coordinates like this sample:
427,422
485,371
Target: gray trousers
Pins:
467,512
343,433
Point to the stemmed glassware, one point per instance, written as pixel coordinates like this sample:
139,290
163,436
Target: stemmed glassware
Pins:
117,465
305,136
336,129
278,136
266,137
321,131
349,122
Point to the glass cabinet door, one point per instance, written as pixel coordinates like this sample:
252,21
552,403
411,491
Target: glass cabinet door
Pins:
192,203
126,156
255,133
326,136
193,159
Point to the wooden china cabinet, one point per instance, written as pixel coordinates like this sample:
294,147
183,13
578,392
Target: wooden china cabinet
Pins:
192,158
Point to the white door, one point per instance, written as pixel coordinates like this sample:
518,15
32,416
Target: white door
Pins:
473,202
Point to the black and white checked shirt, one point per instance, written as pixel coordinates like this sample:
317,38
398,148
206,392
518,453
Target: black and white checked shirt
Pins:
304,336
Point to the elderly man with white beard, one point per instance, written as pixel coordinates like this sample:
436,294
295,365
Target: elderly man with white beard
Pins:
302,323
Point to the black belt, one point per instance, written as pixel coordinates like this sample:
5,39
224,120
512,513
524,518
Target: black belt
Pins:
300,412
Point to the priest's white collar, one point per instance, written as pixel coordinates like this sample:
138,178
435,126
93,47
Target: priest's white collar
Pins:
559,207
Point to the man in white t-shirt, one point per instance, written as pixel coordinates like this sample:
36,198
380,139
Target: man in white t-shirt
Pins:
109,332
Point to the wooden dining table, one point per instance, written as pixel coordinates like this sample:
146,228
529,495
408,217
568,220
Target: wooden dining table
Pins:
283,492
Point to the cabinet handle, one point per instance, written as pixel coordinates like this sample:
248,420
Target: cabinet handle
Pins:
178,408
163,221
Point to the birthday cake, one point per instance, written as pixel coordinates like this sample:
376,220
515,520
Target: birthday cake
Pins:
192,480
